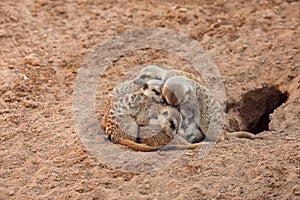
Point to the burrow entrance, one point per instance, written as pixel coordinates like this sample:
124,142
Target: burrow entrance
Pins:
253,111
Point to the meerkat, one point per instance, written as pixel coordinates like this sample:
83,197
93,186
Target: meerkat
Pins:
169,121
153,77
129,137
152,137
153,127
153,88
153,72
155,137
160,134
131,109
128,107
210,121
179,93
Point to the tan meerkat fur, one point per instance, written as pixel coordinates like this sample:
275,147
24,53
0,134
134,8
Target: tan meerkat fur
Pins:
168,123
155,137
151,72
129,111
127,107
152,142
206,101
208,106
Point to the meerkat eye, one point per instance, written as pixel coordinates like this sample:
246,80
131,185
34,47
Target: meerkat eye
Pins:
165,113
156,92
143,76
172,124
145,87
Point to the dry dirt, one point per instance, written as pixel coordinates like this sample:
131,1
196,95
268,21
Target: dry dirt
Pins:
255,44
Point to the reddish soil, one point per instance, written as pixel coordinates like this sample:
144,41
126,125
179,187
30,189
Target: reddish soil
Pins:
255,44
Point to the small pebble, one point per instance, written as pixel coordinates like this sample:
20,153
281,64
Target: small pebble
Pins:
182,9
296,190
25,77
2,33
189,154
32,59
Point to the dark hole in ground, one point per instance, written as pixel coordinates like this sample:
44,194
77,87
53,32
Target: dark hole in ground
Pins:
256,106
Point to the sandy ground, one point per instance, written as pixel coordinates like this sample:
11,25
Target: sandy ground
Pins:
254,44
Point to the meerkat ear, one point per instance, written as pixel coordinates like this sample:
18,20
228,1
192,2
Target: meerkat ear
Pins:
172,124
189,91
186,94
138,81
162,75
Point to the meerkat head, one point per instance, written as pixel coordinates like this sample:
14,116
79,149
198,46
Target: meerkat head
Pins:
169,118
150,72
176,90
153,90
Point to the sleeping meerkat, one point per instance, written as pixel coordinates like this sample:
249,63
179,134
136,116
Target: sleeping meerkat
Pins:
127,107
160,134
130,110
153,89
178,92
153,136
206,102
131,116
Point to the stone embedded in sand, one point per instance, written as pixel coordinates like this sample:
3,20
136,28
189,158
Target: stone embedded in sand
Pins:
2,33
32,59
296,190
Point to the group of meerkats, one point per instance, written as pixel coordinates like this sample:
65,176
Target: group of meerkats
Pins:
163,109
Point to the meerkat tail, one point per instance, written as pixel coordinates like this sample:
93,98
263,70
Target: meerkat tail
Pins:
137,147
183,147
107,107
243,134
